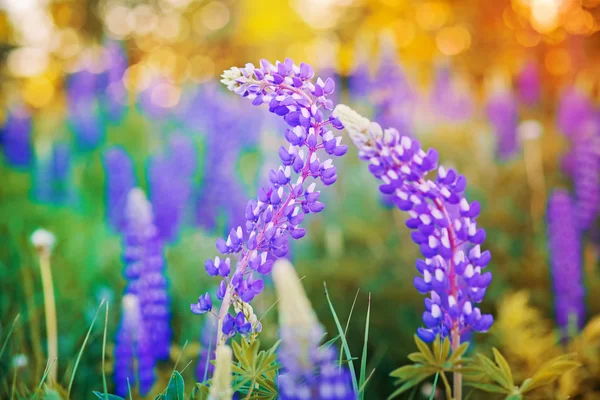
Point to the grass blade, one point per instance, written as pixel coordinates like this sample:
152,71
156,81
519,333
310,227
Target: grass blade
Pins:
129,389
179,357
12,328
433,389
104,352
46,372
82,348
344,342
363,361
349,318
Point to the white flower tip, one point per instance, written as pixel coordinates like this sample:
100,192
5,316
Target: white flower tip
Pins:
221,382
230,77
357,126
43,239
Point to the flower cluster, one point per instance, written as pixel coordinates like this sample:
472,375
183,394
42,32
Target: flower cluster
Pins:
443,223
528,83
586,171
52,177
275,216
133,343
565,250
120,179
503,114
144,271
309,371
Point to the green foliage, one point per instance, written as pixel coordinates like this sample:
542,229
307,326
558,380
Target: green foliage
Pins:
255,371
496,376
427,363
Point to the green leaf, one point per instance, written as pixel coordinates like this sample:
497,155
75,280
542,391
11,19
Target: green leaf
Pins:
83,348
424,349
176,388
406,386
549,372
504,367
487,387
363,361
418,358
458,353
437,375
106,396
493,372
344,342
10,331
51,394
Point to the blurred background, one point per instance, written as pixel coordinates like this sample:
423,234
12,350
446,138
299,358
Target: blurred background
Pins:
101,96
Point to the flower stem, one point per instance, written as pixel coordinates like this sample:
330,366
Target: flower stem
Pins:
50,311
457,375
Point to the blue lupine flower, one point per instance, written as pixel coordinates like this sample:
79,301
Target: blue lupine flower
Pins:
281,207
53,183
120,179
115,91
586,175
443,223
565,261
308,370
15,139
145,265
84,113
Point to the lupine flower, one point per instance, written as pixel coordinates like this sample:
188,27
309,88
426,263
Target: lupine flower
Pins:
309,371
359,81
144,270
565,261
84,116
528,83
120,179
115,90
171,180
281,207
131,344
574,110
443,224
220,388
205,368
586,180
228,128
53,177
503,114
450,97
15,139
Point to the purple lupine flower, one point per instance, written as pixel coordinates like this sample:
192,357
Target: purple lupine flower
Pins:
586,179
528,83
170,179
60,169
280,208
131,345
145,271
359,81
15,139
565,261
503,114
443,223
204,367
574,110
120,179
84,114
309,371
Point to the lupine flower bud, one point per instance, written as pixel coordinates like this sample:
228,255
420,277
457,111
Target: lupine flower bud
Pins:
565,260
274,217
443,223
220,388
309,371
586,178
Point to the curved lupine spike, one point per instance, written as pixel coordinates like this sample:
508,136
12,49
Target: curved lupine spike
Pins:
274,217
443,223
220,388
586,179
309,371
120,179
565,261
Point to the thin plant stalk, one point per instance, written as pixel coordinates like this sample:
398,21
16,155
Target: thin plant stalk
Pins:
535,179
50,311
34,326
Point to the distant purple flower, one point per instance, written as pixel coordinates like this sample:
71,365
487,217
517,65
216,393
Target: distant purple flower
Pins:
86,122
574,111
145,271
586,180
115,91
359,81
565,260
120,179
170,179
53,182
503,114
15,139
443,223
133,348
280,208
529,84
447,100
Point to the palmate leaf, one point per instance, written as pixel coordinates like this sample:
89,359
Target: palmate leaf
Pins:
428,363
550,372
255,371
